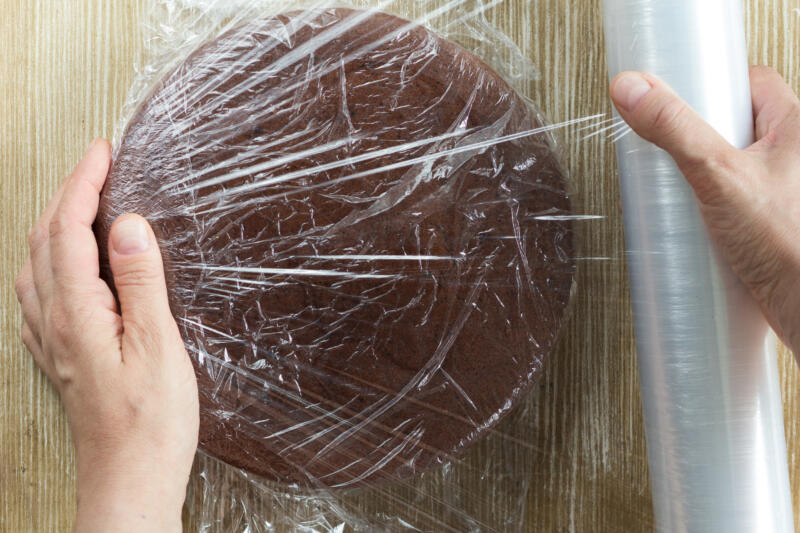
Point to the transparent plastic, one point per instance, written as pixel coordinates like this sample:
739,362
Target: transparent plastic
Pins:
707,367
368,239
371,242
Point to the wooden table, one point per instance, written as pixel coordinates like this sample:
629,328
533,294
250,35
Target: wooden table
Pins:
65,68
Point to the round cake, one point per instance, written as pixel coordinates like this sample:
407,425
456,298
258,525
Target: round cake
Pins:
366,237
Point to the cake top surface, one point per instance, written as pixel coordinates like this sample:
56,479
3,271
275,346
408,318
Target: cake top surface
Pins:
364,237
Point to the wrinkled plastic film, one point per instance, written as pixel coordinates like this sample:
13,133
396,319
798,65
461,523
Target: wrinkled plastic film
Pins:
307,232
708,371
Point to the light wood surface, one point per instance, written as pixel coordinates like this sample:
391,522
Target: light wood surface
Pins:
65,68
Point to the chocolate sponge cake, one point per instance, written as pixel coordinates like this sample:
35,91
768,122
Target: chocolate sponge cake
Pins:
366,240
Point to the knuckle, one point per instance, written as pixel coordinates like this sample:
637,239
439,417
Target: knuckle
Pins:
152,336
668,117
771,139
32,344
21,286
58,226
30,315
60,324
28,339
37,237
709,164
133,405
137,275
708,172
63,371
722,164
146,334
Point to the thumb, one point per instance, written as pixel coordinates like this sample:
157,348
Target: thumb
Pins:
139,279
657,114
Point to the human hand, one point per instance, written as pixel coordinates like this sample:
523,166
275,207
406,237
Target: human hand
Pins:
124,377
750,199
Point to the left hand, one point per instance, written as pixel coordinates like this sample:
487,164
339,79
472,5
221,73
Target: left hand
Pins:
123,375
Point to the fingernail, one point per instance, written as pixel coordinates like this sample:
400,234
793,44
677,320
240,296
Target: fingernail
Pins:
129,236
629,89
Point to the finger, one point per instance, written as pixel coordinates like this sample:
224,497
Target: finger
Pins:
657,114
774,104
26,294
73,248
138,274
39,239
31,342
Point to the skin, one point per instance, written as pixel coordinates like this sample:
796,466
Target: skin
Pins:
125,378
123,374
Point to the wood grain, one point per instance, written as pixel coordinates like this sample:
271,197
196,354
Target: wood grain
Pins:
65,69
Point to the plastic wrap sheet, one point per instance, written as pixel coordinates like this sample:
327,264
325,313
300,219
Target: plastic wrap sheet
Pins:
368,240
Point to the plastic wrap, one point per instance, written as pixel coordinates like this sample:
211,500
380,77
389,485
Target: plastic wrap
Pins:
368,240
708,370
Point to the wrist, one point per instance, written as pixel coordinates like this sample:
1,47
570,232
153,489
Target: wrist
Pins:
127,491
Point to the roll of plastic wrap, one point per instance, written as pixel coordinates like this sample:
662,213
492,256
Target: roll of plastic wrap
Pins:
708,373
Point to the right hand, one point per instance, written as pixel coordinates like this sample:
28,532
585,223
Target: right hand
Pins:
750,199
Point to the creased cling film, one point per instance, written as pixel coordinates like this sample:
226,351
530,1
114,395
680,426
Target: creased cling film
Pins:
367,236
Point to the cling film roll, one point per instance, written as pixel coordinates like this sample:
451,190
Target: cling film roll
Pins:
707,365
